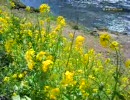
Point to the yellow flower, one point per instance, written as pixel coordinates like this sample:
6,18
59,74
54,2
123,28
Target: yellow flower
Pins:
61,21
8,45
14,76
6,79
95,90
12,4
105,39
69,79
79,40
114,45
46,64
29,54
52,97
30,33
46,88
125,80
44,8
31,64
127,63
55,91
86,58
41,22
40,55
28,8
69,75
82,85
91,77
20,75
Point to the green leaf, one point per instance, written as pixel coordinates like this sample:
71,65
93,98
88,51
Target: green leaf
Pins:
26,98
17,97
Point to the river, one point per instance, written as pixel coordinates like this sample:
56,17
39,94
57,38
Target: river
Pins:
91,13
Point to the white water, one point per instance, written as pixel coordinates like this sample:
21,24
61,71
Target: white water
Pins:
90,12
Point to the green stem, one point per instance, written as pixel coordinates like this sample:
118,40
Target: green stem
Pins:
70,50
117,75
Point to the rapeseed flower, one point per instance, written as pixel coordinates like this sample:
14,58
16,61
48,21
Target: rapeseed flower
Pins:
54,93
80,39
40,55
21,75
44,8
105,39
46,64
8,45
29,54
114,45
31,64
69,76
12,4
79,43
14,76
61,21
127,63
6,79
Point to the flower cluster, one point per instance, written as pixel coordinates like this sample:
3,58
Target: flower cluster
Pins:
44,8
40,63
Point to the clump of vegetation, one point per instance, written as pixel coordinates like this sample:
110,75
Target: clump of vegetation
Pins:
48,66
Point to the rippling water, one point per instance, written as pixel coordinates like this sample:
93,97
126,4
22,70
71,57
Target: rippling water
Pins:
90,13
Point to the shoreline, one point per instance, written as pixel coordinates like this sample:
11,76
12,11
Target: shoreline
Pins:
92,36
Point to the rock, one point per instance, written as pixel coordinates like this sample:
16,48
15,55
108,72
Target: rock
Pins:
94,32
19,4
125,33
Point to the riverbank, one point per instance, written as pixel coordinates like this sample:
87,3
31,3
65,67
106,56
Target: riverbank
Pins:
92,39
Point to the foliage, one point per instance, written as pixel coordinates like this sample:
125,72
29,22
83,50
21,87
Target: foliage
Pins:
45,65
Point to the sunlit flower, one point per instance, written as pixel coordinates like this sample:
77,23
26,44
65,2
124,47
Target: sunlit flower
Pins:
127,63
105,39
29,54
91,77
14,76
30,33
31,64
83,85
12,4
55,91
40,55
44,8
114,45
6,79
46,88
80,39
8,45
69,76
46,64
21,75
61,21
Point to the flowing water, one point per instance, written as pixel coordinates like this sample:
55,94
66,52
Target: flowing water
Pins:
91,13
